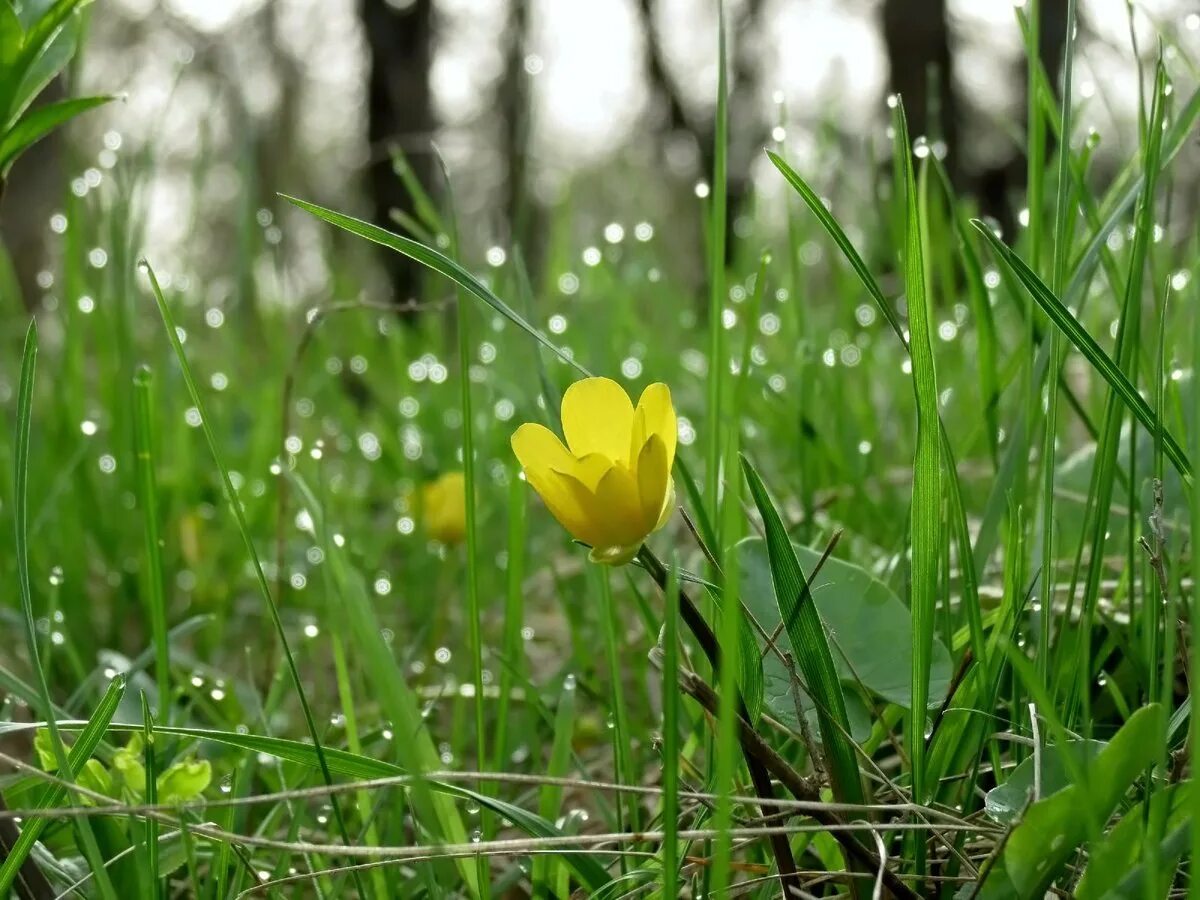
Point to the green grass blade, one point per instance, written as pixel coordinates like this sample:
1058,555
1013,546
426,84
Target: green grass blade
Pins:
67,764
925,527
546,869
810,645
1086,344
147,496
416,749
670,734
716,278
439,262
150,826
239,516
54,795
39,122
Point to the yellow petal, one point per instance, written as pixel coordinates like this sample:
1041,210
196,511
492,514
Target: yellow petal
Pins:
597,417
613,510
543,456
653,476
655,415
668,506
619,503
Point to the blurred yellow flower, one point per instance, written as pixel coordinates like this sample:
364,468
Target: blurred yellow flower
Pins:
613,487
444,508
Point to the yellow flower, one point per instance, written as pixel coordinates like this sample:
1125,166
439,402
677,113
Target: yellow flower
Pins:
613,487
444,508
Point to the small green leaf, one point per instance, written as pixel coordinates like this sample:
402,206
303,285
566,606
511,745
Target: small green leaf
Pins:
184,781
94,777
1004,803
127,764
45,750
869,627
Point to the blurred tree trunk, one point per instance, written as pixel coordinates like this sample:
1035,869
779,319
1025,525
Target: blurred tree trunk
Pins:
746,127
917,37
515,122
31,191
399,114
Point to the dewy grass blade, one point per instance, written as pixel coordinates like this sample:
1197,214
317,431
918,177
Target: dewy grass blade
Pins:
716,283
730,627
514,615
621,734
147,495
925,511
1128,341
235,506
1087,345
67,764
396,699
474,612
150,826
439,262
54,795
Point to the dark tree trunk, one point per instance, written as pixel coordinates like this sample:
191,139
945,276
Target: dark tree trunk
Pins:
919,53
918,48
513,103
399,115
35,185
746,128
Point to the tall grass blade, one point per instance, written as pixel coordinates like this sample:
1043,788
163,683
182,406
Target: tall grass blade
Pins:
810,645
925,527
235,506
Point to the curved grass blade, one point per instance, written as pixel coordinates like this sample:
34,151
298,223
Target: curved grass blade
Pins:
67,764
38,123
235,506
439,262
1086,344
53,795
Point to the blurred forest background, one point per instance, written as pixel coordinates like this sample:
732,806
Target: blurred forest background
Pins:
527,102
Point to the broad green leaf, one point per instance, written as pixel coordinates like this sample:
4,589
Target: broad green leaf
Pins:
39,122
869,627
1054,828
1004,803
1118,856
12,37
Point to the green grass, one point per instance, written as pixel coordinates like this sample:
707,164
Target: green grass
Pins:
215,544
